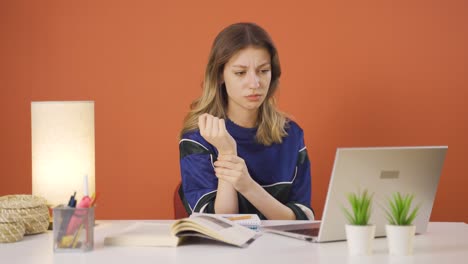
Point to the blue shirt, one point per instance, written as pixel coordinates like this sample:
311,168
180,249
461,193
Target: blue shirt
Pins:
283,170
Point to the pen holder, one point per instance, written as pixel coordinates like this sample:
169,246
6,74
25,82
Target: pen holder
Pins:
73,229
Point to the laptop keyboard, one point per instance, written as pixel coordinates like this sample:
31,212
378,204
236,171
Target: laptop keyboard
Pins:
308,232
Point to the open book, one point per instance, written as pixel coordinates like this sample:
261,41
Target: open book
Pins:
201,225
251,221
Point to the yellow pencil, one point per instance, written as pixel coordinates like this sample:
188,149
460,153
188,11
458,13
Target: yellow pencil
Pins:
77,236
241,217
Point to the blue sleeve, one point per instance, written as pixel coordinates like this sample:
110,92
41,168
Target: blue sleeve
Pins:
300,195
199,182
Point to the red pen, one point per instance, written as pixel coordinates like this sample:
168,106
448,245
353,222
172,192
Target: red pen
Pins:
80,215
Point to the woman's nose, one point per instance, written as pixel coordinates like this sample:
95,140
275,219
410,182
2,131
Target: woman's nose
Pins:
254,81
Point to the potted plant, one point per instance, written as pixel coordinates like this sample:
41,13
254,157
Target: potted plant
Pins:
359,233
400,229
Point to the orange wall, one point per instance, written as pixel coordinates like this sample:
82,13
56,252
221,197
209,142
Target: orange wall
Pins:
356,73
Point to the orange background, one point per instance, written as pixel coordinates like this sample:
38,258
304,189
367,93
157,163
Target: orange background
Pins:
356,73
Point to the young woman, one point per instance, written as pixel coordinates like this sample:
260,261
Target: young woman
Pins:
238,152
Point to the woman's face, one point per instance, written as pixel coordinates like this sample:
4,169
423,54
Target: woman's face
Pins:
247,76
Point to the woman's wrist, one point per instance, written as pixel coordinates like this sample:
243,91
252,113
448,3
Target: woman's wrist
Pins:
248,188
228,152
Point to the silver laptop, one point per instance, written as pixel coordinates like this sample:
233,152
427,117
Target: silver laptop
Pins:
382,171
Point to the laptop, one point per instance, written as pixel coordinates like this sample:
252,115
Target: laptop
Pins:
382,171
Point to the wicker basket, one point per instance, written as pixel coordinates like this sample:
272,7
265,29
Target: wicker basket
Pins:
31,210
11,231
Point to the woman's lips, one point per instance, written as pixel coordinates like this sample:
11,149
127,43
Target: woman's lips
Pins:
254,97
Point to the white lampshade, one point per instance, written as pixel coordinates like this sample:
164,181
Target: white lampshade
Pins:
62,149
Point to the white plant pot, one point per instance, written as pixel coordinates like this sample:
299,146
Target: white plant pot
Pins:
360,239
400,239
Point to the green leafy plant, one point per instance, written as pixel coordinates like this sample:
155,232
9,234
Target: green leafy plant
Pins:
398,212
361,208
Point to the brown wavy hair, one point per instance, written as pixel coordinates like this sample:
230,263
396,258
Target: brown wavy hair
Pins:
271,122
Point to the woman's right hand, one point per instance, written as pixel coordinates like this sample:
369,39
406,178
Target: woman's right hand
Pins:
213,130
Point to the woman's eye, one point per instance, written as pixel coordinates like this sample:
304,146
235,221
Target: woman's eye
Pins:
265,70
239,73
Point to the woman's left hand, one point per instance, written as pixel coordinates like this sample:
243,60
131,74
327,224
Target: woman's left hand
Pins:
232,169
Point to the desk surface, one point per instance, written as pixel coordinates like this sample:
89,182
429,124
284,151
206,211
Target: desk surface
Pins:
443,243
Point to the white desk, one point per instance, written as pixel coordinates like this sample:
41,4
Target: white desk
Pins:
444,243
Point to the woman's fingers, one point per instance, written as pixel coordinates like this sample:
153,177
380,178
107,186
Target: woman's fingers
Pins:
233,169
202,123
209,126
222,126
214,126
227,165
230,158
224,178
213,130
222,172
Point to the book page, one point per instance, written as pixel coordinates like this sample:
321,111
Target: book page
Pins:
251,221
143,234
215,227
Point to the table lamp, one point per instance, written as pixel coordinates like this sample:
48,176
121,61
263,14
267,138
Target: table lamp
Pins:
62,149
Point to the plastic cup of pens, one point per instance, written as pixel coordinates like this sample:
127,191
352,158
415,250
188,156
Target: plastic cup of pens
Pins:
73,229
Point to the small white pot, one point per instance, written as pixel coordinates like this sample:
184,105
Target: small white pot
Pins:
360,239
400,239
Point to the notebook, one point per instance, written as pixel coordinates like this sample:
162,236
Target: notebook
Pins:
383,171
